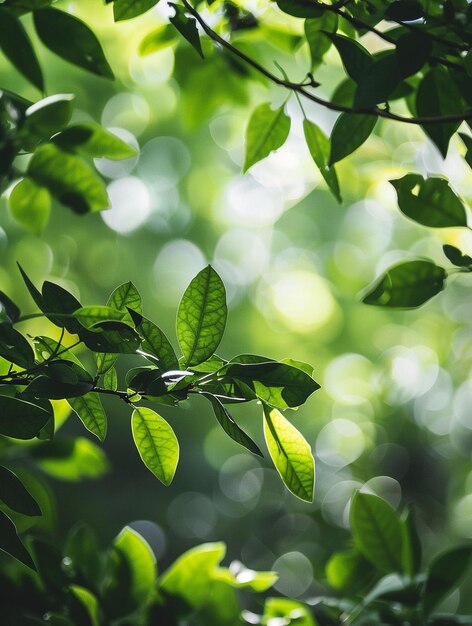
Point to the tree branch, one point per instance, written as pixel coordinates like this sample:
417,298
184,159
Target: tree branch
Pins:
300,89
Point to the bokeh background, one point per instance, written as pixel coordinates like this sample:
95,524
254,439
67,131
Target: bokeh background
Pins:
396,389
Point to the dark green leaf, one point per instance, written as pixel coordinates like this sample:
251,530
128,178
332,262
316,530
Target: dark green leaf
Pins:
444,574
9,307
300,8
46,387
14,347
34,293
15,495
111,337
290,453
201,317
356,59
47,348
456,257
468,144
413,51
411,545
58,29
11,544
277,384
30,205
90,411
156,443
319,147
92,140
404,11
127,9
377,531
48,558
46,117
438,95
378,81
315,32
187,27
349,133
230,426
430,202
267,131
21,419
58,300
83,548
407,285
16,46
146,381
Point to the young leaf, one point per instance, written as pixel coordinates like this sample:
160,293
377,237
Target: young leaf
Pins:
290,453
90,411
30,205
377,531
69,179
89,603
230,427
443,575
156,344
127,9
316,34
349,133
407,285
15,495
456,257
319,147
10,542
14,347
267,131
187,27
156,443
287,611
57,29
430,202
157,40
438,95
91,140
356,59
104,361
124,297
16,46
21,419
201,318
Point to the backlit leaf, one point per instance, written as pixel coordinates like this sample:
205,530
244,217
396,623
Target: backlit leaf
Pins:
90,411
267,131
30,205
349,133
319,147
127,9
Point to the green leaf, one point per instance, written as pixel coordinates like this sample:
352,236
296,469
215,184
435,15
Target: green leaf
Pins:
83,548
156,443
277,384
89,602
443,576
349,133
230,426
290,453
21,419
407,285
468,144
346,570
438,95
72,459
16,46
316,35
104,361
91,140
57,300
15,495
90,412
157,40
156,344
300,8
146,381
267,131
413,51
187,27
47,387
241,577
411,545
430,202
14,347
127,9
190,576
10,542
404,11
130,579
111,337
124,297
30,205
110,379
287,611
69,179
90,316
356,59
34,293
377,531
201,318
10,309
46,117
57,29
378,82
456,257
319,147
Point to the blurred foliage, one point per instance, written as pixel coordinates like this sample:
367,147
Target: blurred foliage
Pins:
392,412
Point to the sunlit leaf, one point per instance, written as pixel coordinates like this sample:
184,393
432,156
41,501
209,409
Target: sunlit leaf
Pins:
187,27
156,344
90,411
30,205
72,459
290,453
47,116
349,133
290,611
319,147
156,443
316,34
267,131
127,9
92,140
